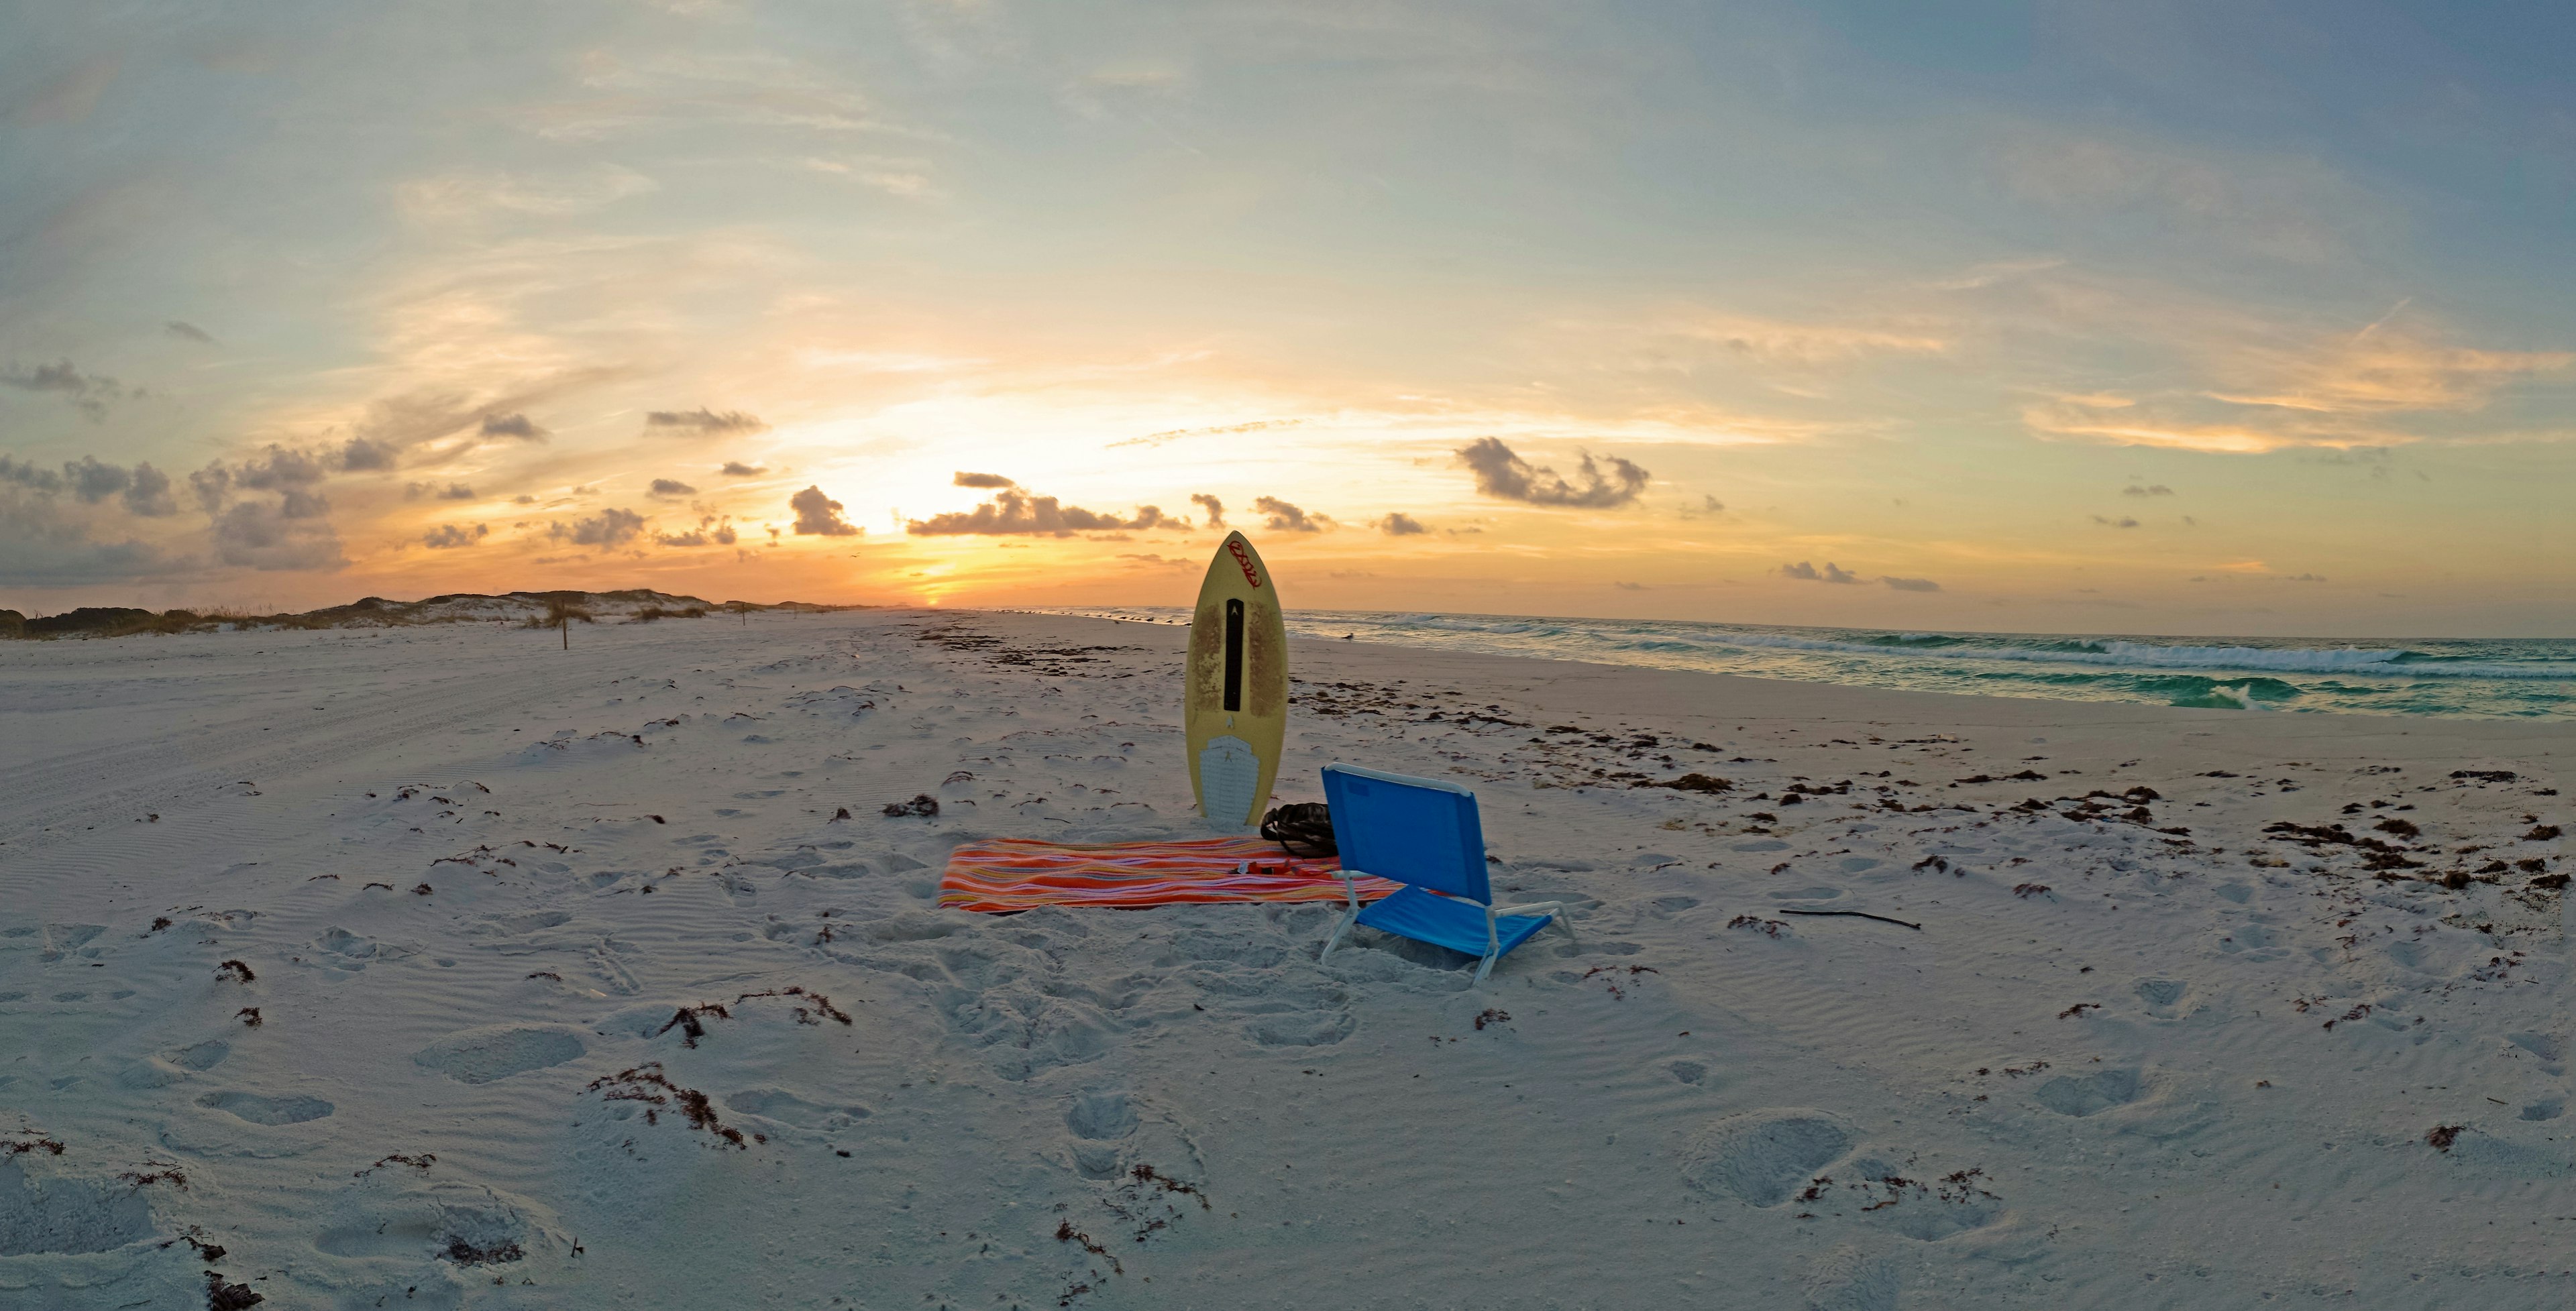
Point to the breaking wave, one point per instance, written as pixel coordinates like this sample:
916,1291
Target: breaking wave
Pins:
2483,678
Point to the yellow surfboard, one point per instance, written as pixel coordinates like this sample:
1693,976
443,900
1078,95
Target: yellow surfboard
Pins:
1235,701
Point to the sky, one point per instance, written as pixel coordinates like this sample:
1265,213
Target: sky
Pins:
2133,317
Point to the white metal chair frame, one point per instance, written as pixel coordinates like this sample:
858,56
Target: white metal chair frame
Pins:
1493,913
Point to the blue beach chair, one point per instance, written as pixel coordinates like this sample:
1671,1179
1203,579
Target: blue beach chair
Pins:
1423,833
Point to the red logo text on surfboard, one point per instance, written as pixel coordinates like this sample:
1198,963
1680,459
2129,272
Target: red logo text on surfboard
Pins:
1244,558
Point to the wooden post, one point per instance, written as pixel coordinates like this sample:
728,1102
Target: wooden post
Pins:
565,620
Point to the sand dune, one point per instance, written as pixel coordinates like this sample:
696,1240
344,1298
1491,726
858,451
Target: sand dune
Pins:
439,966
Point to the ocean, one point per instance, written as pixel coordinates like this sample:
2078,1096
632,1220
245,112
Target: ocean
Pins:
2461,677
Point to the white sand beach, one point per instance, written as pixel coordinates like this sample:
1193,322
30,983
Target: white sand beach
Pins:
444,967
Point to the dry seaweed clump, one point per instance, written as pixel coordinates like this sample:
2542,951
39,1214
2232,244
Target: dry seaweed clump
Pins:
647,1084
1707,783
465,1253
221,1296
812,1004
689,1020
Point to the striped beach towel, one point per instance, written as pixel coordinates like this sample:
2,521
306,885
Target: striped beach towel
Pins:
1007,874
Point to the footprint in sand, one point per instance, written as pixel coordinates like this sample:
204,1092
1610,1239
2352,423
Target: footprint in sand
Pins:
63,939
2089,1094
488,1054
352,950
1762,1157
2490,1155
390,1213
257,1108
527,922
68,1215
2163,997
789,1109
1845,1280
2548,1047
1304,1028
1100,1122
1693,1072
1893,1201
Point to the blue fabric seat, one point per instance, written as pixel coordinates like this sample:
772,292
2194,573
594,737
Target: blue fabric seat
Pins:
1424,834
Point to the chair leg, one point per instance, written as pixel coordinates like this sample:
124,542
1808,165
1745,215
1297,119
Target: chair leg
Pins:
1483,969
1563,922
1336,939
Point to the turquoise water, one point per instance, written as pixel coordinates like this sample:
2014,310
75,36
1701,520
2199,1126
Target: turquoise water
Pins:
2475,678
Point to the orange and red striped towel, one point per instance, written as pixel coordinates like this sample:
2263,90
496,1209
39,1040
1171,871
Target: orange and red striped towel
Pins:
1007,874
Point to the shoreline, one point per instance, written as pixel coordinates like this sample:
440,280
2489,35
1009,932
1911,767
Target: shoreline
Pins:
2432,678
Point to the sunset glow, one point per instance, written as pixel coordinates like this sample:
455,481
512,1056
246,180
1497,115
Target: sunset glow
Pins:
305,309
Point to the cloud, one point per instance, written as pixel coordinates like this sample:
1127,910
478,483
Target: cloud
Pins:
451,492
986,480
1807,345
818,515
92,481
518,426
87,392
67,97
738,469
2383,371
710,531
188,332
2158,490
1806,572
1214,507
705,420
2123,521
1286,518
276,468
211,485
1910,584
144,490
2283,208
449,535
1630,587
2268,387
610,528
291,535
1506,476
1014,513
1174,434
668,487
41,545
361,455
1399,524
33,476
149,493
554,193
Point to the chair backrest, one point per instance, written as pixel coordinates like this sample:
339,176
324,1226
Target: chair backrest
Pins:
1413,830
